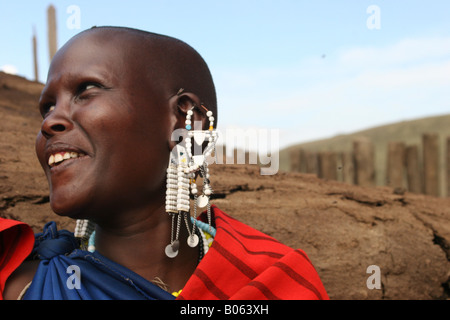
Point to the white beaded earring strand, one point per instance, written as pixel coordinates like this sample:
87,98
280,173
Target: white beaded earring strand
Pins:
181,178
199,162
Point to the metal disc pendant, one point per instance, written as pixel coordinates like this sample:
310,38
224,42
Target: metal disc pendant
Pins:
172,249
202,201
192,241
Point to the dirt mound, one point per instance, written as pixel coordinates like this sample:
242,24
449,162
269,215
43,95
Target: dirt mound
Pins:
344,229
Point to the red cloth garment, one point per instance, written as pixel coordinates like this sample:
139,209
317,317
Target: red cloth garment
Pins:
246,264
16,243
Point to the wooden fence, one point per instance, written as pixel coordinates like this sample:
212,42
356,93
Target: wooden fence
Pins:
405,169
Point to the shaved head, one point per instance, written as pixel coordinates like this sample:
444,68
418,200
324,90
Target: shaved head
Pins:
168,63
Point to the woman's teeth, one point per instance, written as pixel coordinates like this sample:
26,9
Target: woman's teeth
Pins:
59,157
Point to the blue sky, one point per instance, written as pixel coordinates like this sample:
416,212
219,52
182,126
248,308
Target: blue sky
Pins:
310,69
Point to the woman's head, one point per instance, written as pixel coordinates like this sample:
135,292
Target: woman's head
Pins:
109,108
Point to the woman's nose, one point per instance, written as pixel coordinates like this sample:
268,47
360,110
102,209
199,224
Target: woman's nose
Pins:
56,122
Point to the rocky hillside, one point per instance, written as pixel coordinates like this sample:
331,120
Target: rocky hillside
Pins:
343,228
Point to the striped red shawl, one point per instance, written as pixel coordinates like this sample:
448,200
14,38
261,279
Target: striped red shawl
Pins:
245,264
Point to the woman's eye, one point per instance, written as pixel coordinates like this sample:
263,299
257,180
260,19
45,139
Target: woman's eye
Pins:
47,109
89,86
86,86
83,89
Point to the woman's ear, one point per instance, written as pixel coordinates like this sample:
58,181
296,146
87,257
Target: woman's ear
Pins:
180,105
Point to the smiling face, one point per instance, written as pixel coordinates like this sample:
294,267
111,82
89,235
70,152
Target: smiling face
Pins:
103,143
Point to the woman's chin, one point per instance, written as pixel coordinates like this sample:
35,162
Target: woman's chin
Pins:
66,209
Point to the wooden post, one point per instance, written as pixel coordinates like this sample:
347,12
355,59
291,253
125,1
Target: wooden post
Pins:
364,162
236,153
35,59
431,163
298,160
52,36
448,166
395,164
220,154
302,161
230,159
348,168
251,157
239,156
327,161
413,172
295,160
311,162
224,154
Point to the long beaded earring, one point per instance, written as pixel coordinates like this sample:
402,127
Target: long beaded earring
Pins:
177,198
181,178
199,163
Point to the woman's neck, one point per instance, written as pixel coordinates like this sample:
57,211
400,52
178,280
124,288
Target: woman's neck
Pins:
138,244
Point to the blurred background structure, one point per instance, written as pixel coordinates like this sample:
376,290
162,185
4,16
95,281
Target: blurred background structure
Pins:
52,31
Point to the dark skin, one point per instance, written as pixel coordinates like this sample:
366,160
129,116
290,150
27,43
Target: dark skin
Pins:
101,102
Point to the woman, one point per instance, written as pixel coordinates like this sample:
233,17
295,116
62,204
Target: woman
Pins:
113,107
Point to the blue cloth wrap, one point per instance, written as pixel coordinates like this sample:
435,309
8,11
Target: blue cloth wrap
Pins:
98,278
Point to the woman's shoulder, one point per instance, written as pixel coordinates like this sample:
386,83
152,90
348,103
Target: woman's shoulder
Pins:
20,279
23,251
252,245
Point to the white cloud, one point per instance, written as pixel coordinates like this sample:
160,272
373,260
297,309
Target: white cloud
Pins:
410,50
7,68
